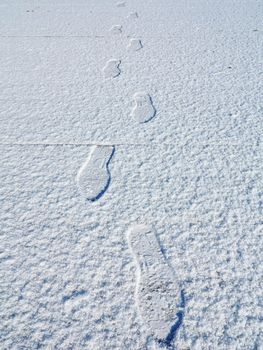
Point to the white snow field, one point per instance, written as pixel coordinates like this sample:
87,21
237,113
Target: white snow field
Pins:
182,170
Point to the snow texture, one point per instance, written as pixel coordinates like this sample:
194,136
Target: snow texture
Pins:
194,172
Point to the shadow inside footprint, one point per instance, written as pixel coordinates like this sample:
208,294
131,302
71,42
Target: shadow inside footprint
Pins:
104,189
167,342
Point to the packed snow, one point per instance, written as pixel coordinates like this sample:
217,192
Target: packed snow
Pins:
131,175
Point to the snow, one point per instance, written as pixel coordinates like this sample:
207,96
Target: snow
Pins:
193,172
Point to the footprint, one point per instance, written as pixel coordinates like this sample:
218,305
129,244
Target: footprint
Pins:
120,4
112,70
116,29
143,110
133,15
93,177
134,45
158,297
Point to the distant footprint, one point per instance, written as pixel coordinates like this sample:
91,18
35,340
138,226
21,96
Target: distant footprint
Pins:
120,4
143,109
93,177
112,70
134,45
158,297
133,15
73,301
116,29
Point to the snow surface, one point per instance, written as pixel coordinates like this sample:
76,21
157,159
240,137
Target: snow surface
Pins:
194,171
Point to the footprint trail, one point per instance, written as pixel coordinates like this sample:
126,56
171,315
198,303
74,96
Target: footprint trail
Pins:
111,69
143,109
157,295
93,177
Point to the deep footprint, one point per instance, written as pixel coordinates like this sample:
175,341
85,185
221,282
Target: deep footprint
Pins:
111,69
134,45
158,297
93,177
143,109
